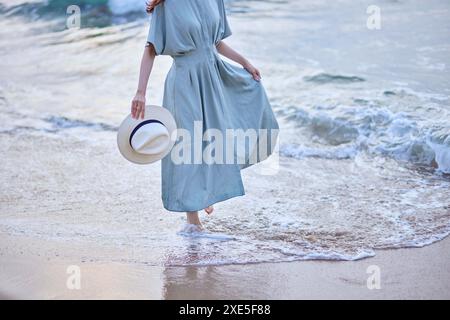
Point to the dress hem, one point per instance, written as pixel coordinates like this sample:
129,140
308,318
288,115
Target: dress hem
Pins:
217,199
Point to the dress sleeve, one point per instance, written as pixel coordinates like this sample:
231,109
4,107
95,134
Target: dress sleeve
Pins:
157,30
225,30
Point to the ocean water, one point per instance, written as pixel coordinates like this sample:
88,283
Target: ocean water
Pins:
364,145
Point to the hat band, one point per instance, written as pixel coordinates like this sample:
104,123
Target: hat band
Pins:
143,123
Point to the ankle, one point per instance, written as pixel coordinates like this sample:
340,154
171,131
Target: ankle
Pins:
192,218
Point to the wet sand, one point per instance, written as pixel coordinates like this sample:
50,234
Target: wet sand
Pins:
417,273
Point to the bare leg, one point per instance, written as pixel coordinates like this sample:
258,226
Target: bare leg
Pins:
193,218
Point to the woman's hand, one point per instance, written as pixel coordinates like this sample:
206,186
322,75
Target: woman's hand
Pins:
252,70
152,4
138,106
231,54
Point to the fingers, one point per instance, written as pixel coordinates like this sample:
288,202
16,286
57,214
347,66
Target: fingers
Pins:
136,112
256,75
142,111
133,109
150,5
137,109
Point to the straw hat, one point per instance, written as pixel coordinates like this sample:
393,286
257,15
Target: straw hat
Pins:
147,140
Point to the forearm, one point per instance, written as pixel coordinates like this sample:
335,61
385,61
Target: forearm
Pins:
148,57
231,54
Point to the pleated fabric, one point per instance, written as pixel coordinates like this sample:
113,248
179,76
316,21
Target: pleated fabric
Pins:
204,92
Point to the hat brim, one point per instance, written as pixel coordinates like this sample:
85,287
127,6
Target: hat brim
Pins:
127,126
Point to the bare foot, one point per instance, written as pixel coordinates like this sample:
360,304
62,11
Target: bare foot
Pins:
190,228
209,210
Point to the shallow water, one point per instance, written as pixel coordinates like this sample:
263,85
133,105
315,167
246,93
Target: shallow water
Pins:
365,141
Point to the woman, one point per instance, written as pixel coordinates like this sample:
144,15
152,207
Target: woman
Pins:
201,87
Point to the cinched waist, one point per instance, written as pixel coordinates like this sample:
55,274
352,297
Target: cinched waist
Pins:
202,54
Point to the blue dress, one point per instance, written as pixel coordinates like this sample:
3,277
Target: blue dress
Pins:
203,92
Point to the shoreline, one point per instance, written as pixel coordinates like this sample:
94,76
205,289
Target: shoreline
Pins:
405,273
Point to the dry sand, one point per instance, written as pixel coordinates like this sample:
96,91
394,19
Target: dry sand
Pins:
417,273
